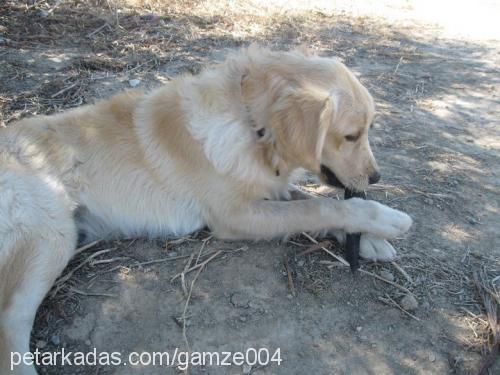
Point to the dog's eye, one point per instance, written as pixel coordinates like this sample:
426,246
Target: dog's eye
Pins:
352,137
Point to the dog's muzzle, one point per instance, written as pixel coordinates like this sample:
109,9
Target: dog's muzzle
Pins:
374,178
331,178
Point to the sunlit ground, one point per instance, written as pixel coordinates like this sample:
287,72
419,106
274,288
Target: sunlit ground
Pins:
477,20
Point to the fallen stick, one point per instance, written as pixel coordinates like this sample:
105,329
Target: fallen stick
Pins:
314,248
403,272
184,317
352,239
61,280
64,90
340,259
291,286
106,261
87,246
82,293
186,271
160,260
200,267
400,287
394,303
183,273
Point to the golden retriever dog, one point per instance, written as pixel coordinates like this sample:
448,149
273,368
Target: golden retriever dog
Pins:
219,149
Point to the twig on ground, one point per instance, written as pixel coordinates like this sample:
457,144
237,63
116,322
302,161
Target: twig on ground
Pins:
397,66
296,243
98,29
161,260
87,246
80,292
184,317
291,286
199,265
389,301
314,248
403,272
63,90
105,261
183,273
178,241
204,243
60,282
400,287
340,259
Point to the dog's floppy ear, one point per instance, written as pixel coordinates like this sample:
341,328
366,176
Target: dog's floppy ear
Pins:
300,124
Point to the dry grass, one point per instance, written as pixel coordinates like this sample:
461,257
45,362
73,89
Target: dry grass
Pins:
103,40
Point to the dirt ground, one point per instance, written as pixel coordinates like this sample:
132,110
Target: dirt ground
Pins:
437,140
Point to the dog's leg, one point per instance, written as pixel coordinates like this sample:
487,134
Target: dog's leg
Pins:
298,194
268,219
371,247
37,239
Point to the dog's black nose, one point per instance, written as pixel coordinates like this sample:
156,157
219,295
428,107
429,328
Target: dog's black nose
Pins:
374,177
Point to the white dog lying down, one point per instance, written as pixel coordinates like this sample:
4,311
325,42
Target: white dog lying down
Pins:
218,149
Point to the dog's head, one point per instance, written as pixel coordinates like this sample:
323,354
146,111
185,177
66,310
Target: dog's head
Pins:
313,113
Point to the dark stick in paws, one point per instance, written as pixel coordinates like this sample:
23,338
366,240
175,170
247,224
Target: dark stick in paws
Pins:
352,239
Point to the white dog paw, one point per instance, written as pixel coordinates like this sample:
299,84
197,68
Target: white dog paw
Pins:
376,249
378,219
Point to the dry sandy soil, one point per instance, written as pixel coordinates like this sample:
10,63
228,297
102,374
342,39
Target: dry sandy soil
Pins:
437,140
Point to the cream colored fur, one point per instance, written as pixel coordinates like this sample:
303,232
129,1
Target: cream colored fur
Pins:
220,149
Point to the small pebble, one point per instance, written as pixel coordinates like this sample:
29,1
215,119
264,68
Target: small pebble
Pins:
150,17
40,344
134,82
300,263
472,221
172,254
432,357
387,275
55,339
409,302
359,329
239,300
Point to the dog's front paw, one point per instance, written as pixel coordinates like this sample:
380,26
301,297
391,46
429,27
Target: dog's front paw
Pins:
386,222
375,249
